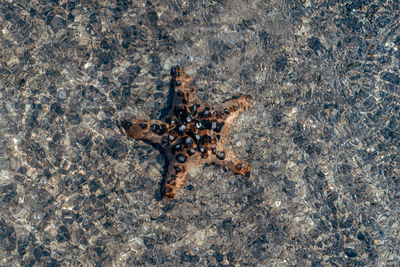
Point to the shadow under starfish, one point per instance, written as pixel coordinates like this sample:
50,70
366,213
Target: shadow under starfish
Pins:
192,132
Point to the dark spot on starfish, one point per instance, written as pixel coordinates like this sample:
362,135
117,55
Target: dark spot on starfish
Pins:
177,74
171,137
180,94
180,113
178,83
191,151
181,158
218,137
188,141
207,124
176,147
219,127
193,109
191,89
173,183
235,108
164,141
213,125
158,129
199,125
173,71
206,113
181,129
170,121
125,124
189,118
168,190
214,150
221,155
177,169
226,111
195,136
154,127
201,149
247,174
143,125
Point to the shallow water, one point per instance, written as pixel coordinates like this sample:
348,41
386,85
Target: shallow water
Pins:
322,135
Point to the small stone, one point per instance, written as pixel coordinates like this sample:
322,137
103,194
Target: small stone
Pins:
62,94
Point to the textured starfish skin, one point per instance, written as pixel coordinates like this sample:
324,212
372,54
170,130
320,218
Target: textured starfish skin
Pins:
193,133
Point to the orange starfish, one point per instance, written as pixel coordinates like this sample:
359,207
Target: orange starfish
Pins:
193,133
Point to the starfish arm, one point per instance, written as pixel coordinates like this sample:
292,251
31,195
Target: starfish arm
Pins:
184,90
231,109
240,103
226,158
179,165
174,179
154,131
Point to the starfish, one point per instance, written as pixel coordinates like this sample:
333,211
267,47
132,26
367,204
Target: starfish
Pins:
193,133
